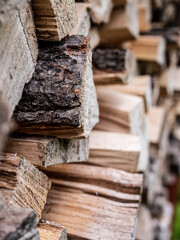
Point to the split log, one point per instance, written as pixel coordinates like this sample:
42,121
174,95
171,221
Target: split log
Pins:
118,3
176,82
123,26
144,14
84,24
94,37
95,200
22,184
124,114
18,223
60,100
156,117
9,8
47,151
54,19
115,150
51,230
139,86
166,82
17,56
149,48
113,65
4,124
100,10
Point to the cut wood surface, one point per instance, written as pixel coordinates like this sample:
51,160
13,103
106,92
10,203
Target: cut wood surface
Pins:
144,14
8,8
17,62
124,114
50,230
156,117
4,123
116,150
110,178
60,100
149,48
84,24
166,81
54,19
139,86
47,151
94,37
113,62
122,27
22,184
18,223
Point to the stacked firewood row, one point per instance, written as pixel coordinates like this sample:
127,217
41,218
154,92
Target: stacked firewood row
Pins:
89,100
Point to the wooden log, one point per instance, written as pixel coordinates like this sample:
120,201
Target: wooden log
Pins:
123,114
100,10
18,223
139,86
115,150
60,100
54,19
93,201
22,184
156,118
9,8
94,37
122,27
47,151
118,3
51,230
113,66
166,82
17,57
84,24
176,83
144,14
4,124
149,48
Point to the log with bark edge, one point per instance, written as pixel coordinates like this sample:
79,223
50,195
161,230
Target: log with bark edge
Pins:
4,124
54,19
50,230
60,100
18,223
115,150
22,184
123,26
100,10
47,151
113,65
18,55
98,191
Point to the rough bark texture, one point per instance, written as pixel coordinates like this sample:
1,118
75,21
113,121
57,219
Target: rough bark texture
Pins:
54,19
18,223
61,89
9,7
22,184
4,124
51,231
47,151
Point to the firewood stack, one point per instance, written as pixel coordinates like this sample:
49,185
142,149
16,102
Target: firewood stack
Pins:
89,124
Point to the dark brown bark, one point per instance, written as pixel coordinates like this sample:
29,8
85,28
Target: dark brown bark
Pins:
110,60
54,95
4,124
18,223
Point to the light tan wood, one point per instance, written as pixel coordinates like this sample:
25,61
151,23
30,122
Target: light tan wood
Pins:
139,86
94,37
122,27
166,81
149,48
47,151
144,14
116,150
156,117
17,58
50,230
22,184
177,82
84,24
54,19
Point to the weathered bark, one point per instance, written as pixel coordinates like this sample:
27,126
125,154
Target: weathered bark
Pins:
18,223
8,8
4,124
22,184
54,19
61,95
50,230
47,151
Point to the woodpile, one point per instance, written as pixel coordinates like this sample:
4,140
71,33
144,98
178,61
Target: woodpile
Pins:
89,123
